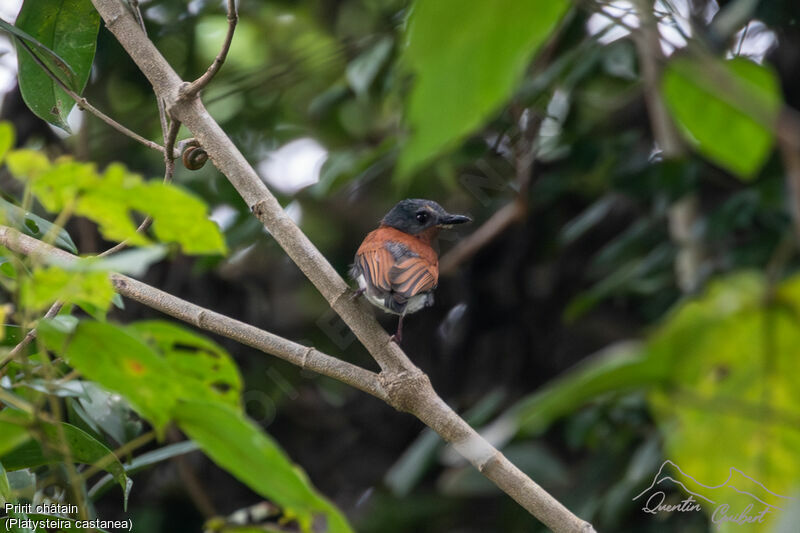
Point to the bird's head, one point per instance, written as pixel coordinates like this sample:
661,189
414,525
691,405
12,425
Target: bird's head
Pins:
413,216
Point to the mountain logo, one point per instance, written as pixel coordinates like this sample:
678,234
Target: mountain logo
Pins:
740,499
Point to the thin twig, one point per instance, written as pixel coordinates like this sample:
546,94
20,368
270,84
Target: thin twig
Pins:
510,214
84,104
789,145
683,213
197,85
169,171
126,449
16,350
191,482
162,108
466,248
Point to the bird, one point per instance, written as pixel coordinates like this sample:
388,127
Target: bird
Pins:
396,266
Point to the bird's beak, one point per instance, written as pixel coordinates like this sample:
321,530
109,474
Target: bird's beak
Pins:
449,220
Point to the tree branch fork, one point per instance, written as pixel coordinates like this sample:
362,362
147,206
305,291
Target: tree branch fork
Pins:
400,383
408,390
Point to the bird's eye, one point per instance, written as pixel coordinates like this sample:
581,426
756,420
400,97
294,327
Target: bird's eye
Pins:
422,217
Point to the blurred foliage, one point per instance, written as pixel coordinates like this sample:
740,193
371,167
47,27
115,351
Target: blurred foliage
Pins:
433,99
729,114
456,86
166,374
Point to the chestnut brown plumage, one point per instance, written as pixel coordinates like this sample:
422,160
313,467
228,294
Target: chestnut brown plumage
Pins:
396,266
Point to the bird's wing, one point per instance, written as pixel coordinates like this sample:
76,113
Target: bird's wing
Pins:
397,270
375,263
411,275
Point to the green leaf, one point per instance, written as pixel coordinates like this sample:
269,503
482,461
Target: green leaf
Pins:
734,395
467,60
240,447
119,361
53,61
68,28
111,198
143,461
152,364
27,164
6,138
204,366
104,411
90,290
727,110
13,430
362,70
5,487
34,225
178,216
83,448
134,262
620,367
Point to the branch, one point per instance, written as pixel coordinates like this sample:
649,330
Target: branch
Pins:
509,214
302,356
683,213
406,391
407,387
197,85
514,211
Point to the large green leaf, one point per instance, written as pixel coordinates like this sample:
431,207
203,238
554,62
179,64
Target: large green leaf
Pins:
53,61
152,364
239,446
727,110
467,60
620,367
68,28
121,362
203,364
733,401
166,372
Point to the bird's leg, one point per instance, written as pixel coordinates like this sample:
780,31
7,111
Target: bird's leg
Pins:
398,336
357,293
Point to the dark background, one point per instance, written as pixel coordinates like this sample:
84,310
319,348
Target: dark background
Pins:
589,263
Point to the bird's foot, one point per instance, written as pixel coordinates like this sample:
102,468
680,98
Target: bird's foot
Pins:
357,293
398,336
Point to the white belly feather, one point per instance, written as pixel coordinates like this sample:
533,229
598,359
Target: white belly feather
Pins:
415,303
